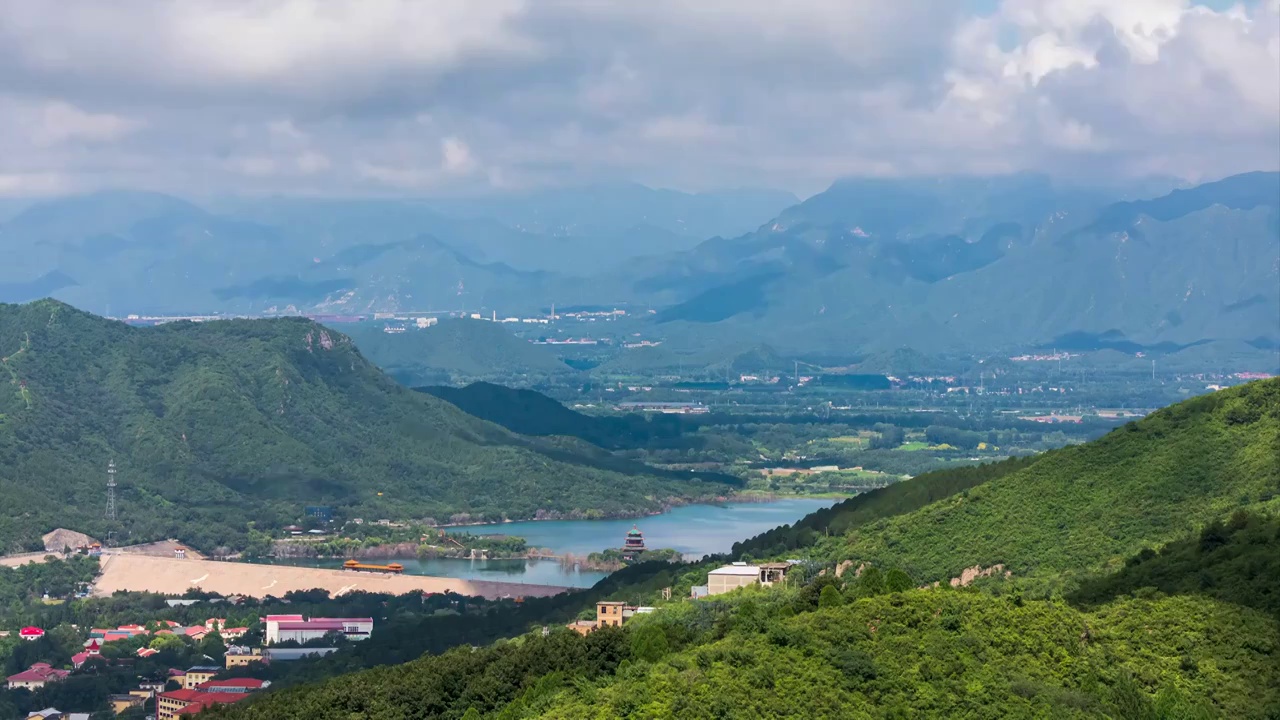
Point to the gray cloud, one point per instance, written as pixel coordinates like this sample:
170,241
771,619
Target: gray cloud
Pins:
388,96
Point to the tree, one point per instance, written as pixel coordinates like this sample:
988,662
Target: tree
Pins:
871,582
897,580
166,642
649,643
830,597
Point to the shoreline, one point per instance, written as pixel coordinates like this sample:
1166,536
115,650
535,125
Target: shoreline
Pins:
170,576
747,497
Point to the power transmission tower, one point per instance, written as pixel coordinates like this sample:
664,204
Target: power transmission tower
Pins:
111,490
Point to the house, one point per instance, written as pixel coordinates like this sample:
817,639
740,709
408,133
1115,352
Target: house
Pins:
234,633
181,703
199,674
31,633
731,577
36,677
285,628
771,573
56,714
608,613
146,652
120,703
238,656
234,685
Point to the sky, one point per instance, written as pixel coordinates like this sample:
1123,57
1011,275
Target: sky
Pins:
401,97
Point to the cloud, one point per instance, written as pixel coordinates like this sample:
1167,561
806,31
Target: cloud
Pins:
367,96
60,122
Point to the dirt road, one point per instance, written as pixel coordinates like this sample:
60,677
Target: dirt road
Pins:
174,577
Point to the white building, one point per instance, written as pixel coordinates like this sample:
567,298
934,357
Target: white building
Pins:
731,577
285,628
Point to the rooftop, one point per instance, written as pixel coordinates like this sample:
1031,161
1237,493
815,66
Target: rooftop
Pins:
736,570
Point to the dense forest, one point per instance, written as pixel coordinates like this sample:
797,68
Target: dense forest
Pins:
219,427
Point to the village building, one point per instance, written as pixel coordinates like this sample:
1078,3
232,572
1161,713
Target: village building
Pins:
36,677
199,674
739,574
608,614
238,656
234,685
56,714
285,628
120,703
31,634
181,703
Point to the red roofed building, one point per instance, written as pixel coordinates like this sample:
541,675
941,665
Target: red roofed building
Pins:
147,652
31,633
234,685
36,677
183,703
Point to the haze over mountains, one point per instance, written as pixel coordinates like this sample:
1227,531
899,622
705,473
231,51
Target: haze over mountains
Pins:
867,265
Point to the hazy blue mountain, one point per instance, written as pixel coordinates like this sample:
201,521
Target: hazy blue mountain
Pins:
969,264
625,217
139,252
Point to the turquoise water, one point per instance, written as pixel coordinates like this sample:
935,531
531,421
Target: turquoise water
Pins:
532,572
694,530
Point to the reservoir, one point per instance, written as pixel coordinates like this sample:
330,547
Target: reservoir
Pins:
694,530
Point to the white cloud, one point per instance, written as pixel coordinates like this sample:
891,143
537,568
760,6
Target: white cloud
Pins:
455,157
372,95
61,122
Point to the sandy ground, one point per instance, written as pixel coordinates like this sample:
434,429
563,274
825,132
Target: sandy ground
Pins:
173,577
23,559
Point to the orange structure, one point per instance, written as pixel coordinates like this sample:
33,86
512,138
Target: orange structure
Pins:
394,568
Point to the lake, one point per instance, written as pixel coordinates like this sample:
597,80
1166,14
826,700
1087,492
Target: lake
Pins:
694,530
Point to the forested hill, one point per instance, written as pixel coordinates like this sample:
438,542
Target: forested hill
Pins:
532,413
215,425
1089,507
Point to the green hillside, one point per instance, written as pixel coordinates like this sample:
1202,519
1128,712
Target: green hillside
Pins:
788,654
1187,630
454,350
531,413
215,425
1089,507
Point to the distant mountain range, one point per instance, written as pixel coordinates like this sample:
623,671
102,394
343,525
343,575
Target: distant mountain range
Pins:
957,264
132,252
972,264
